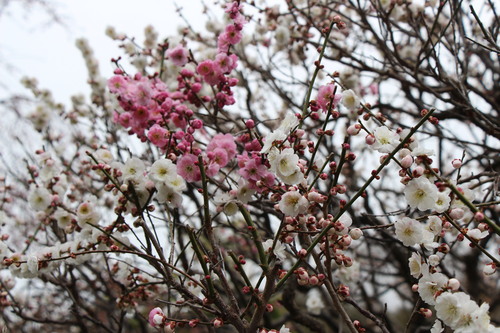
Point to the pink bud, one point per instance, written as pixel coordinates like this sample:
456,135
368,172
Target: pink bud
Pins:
344,290
427,313
218,323
313,280
354,129
457,213
197,123
250,124
418,171
370,139
479,216
269,308
156,317
407,161
490,269
456,163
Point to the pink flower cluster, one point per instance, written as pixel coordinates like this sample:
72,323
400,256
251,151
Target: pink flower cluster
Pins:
252,167
165,118
147,106
327,97
214,72
220,151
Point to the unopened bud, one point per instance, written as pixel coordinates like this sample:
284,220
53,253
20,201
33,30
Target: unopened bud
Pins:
490,269
453,284
456,163
457,213
370,139
356,233
427,313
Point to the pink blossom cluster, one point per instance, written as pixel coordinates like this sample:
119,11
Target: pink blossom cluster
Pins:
153,113
214,72
166,118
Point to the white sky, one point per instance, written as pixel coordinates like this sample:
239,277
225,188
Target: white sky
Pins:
48,52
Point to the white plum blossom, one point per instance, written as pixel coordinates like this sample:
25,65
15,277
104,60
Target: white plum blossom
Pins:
289,123
448,306
443,201
86,214
420,193
434,260
162,171
277,135
314,302
461,313
39,198
293,203
279,250
284,329
477,234
168,194
281,133
350,100
49,168
244,191
346,221
227,201
285,165
177,183
429,285
32,264
434,225
133,170
385,140
437,327
103,156
62,217
409,231
282,35
415,264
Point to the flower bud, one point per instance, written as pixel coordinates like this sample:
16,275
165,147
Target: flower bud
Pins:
457,213
479,216
489,269
354,129
427,313
456,163
356,233
453,284
407,161
370,139
218,323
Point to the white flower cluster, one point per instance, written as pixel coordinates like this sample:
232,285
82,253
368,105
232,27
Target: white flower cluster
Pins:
44,260
455,309
281,133
167,182
412,232
285,165
229,202
96,81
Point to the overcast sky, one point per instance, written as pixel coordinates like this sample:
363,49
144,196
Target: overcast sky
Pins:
33,47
